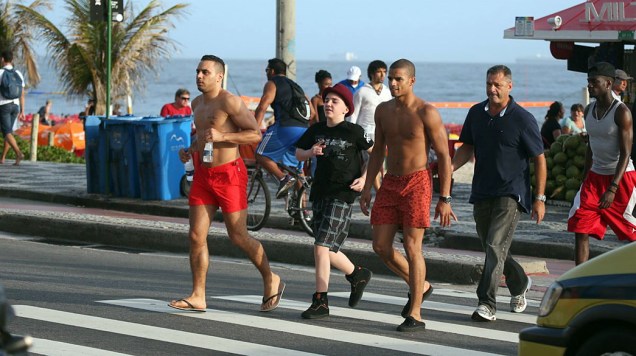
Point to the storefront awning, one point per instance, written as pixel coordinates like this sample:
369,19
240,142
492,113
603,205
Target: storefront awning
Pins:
594,21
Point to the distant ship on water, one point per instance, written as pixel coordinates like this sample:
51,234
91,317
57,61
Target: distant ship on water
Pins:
347,56
537,58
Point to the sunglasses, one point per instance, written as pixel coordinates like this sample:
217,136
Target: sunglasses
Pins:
185,98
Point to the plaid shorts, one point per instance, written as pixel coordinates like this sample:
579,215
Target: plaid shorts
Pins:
332,218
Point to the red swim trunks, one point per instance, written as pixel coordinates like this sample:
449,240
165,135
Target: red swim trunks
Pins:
587,218
223,186
404,200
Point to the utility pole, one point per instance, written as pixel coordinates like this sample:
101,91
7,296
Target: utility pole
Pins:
286,34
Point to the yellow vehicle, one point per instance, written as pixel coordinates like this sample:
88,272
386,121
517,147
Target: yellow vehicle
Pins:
589,310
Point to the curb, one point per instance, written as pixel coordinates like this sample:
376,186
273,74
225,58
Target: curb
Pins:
174,238
542,249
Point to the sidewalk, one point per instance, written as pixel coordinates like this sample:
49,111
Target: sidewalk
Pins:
452,254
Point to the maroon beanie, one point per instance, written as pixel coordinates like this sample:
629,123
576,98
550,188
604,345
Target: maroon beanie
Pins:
344,93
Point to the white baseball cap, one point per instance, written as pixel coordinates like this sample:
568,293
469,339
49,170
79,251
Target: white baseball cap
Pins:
354,73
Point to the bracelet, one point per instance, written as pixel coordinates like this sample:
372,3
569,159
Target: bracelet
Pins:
614,185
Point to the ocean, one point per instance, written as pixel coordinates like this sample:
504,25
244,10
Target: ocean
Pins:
533,80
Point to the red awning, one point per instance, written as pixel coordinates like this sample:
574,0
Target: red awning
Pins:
592,21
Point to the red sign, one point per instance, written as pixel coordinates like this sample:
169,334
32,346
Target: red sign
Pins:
591,21
562,50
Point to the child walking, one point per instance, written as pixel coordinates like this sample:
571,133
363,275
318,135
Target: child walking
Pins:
338,179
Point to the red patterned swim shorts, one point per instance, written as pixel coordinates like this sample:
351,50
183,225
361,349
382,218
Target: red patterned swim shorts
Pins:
404,200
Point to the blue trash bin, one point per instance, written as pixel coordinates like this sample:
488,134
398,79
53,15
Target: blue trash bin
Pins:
95,154
122,160
158,143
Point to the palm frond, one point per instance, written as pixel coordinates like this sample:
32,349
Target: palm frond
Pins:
138,45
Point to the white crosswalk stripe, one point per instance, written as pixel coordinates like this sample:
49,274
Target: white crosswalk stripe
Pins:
386,318
473,296
437,306
299,327
56,348
150,332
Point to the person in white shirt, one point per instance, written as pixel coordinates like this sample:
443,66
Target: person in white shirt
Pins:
366,100
10,109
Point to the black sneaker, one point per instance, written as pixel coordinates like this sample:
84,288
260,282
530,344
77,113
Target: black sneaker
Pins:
359,280
319,307
407,307
410,324
14,344
284,186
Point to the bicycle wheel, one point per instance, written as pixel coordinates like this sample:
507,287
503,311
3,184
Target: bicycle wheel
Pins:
306,213
258,202
184,186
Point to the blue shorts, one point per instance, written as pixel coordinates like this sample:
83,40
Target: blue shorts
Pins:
279,144
8,114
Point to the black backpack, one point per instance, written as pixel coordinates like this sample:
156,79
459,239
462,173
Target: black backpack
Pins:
299,108
11,84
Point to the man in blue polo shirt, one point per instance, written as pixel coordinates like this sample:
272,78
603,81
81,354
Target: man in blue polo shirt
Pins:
503,137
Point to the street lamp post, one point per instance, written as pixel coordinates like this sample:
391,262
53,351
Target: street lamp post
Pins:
286,34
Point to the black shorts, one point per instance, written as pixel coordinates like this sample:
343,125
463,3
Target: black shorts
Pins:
332,218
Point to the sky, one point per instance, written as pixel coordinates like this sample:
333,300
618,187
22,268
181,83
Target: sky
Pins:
419,30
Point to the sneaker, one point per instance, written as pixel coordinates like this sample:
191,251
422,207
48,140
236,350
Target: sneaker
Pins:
359,280
14,344
518,303
407,307
410,324
483,313
284,186
319,307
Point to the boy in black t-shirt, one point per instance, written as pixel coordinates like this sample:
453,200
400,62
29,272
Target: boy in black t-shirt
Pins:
339,178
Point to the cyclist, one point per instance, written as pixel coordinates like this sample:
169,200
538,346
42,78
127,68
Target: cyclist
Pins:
278,142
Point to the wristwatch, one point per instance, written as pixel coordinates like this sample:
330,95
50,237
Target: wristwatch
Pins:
540,198
446,199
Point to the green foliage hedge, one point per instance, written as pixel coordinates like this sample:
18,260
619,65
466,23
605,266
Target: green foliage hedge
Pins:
45,153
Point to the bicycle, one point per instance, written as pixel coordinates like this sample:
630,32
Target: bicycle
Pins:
297,202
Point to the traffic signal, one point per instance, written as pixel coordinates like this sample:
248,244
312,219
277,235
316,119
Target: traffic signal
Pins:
99,11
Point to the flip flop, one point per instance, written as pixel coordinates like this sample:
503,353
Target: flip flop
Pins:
278,296
190,307
428,292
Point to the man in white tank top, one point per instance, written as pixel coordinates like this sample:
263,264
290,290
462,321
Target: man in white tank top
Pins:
605,198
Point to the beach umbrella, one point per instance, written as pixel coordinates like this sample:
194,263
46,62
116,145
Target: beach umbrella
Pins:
24,132
69,135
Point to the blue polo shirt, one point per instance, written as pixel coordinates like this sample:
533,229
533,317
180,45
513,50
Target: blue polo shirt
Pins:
503,146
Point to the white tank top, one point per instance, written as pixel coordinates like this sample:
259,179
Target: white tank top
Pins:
604,141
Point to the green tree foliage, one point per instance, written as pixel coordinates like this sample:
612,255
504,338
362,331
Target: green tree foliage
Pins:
16,34
45,153
140,44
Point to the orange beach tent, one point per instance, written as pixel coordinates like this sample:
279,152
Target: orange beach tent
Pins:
69,135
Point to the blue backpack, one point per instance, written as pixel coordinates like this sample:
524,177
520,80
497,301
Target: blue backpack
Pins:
11,84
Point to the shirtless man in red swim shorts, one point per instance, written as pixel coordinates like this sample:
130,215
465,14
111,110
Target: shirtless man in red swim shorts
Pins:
407,126
222,118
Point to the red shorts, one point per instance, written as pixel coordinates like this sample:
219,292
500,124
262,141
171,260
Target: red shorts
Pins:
404,200
587,218
223,186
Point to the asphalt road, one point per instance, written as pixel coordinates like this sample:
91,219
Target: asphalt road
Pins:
92,300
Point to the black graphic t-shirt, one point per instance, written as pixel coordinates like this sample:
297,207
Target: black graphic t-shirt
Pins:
341,162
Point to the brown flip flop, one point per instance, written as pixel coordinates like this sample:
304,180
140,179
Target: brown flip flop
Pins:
190,307
278,296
